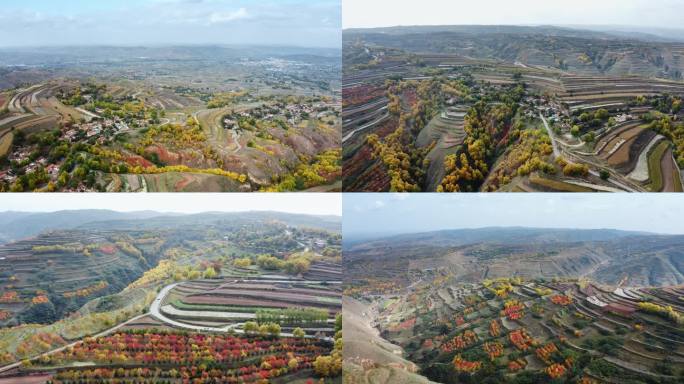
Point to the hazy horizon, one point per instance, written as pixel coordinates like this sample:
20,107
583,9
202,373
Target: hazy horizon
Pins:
44,23
369,215
170,45
308,204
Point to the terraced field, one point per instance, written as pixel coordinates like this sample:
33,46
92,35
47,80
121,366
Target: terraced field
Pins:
82,266
275,141
565,93
507,328
182,278
229,303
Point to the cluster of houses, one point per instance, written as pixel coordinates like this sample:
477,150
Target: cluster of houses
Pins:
292,113
101,129
22,155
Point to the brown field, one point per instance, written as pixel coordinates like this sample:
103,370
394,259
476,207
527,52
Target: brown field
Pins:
556,186
622,154
628,135
37,124
604,142
34,379
244,297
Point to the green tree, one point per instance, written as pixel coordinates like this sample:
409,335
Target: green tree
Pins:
575,130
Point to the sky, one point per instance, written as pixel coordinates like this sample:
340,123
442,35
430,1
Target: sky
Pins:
368,215
384,13
304,23
305,203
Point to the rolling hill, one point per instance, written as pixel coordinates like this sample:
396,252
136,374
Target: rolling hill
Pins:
566,49
606,256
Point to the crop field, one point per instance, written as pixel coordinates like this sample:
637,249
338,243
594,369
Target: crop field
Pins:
6,143
670,173
187,182
230,303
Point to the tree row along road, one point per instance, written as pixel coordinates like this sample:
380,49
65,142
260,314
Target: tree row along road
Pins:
101,334
554,144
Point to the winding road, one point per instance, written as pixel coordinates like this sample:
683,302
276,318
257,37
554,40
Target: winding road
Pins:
155,311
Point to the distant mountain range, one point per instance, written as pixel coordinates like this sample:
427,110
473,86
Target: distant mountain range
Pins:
18,225
581,31
512,235
604,255
612,51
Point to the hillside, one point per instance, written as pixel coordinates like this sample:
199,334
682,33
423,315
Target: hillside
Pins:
369,359
330,223
606,256
560,109
514,331
89,272
19,225
572,50
514,306
52,275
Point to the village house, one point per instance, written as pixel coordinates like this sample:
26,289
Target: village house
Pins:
53,171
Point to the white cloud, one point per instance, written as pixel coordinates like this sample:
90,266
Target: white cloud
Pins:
225,17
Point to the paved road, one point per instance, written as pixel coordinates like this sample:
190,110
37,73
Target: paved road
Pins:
556,151
155,311
15,103
352,133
